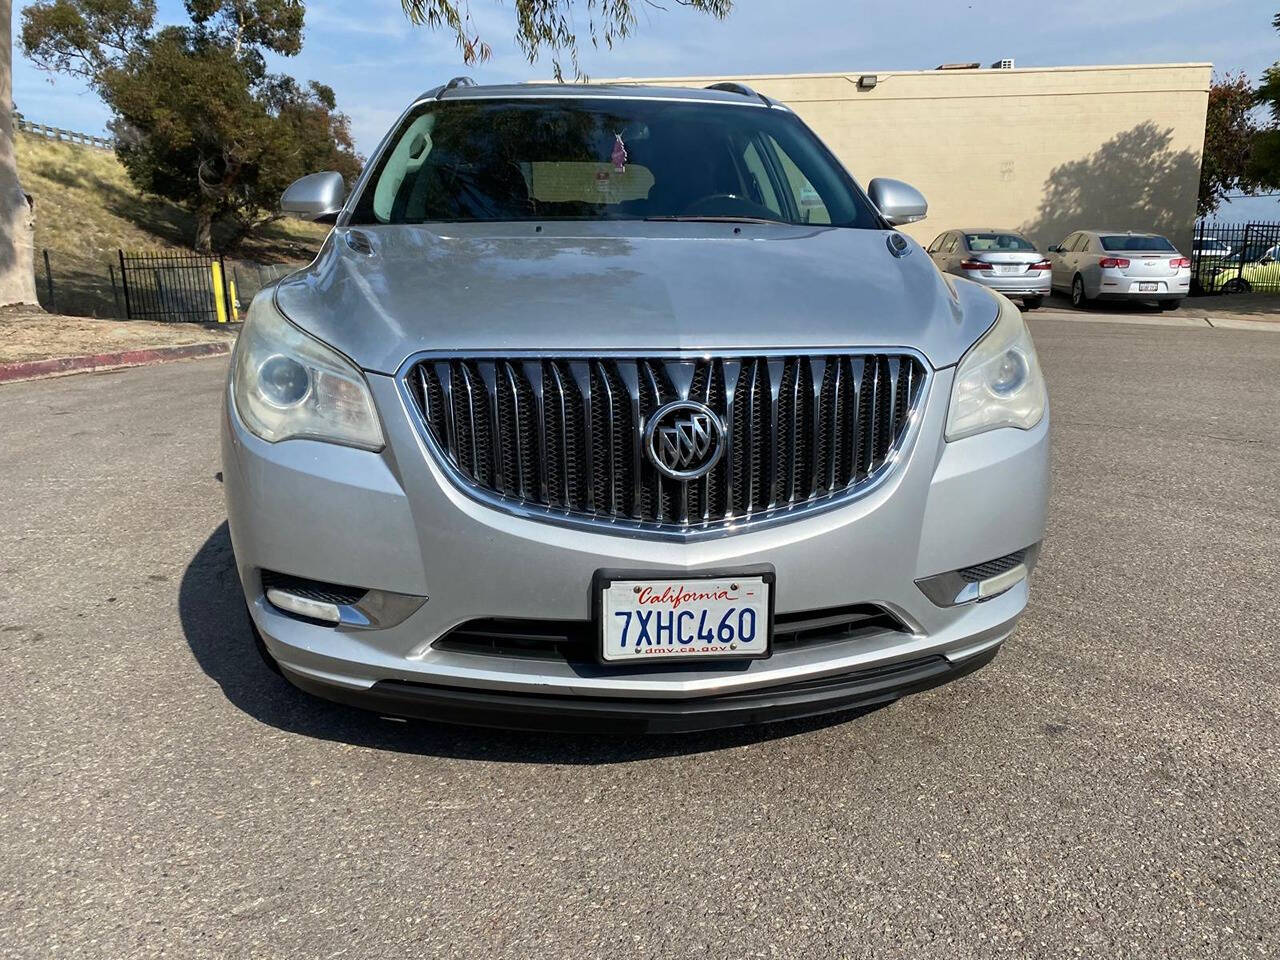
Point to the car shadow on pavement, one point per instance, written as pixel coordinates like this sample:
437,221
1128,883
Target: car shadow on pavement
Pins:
216,624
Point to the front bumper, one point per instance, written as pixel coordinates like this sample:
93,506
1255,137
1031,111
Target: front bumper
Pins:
393,522
857,690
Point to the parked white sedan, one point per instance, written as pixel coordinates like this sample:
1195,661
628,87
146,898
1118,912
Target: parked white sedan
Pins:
1003,260
1110,265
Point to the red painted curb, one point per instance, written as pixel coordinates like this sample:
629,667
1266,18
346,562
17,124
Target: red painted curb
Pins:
35,369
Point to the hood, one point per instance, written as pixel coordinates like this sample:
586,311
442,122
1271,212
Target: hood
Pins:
381,294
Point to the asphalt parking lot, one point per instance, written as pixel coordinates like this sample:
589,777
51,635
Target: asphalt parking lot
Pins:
1108,787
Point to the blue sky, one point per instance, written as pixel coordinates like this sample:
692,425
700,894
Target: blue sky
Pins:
376,62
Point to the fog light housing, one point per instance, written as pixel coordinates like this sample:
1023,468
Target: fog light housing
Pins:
336,605
982,581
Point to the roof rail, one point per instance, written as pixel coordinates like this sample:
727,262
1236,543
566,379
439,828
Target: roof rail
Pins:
732,86
455,82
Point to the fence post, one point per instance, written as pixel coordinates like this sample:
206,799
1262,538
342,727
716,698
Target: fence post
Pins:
115,291
1244,252
233,293
124,282
219,295
48,279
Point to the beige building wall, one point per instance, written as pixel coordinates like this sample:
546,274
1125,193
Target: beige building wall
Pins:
1046,150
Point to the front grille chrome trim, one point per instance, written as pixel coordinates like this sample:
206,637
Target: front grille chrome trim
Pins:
765,487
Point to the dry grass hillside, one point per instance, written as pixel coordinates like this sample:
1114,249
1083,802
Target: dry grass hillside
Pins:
87,210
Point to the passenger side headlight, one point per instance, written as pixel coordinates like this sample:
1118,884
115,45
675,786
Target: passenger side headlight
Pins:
288,384
998,382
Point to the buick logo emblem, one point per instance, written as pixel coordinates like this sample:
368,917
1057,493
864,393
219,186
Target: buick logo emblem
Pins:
684,439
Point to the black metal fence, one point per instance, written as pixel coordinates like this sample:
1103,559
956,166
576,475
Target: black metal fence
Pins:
1236,257
71,283
174,286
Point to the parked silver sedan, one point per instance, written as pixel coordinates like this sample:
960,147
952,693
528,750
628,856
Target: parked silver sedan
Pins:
1114,265
1003,260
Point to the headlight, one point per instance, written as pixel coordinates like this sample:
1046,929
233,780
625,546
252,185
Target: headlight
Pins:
287,384
998,382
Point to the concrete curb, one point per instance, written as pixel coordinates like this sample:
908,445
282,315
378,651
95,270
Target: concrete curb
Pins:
1184,320
61,366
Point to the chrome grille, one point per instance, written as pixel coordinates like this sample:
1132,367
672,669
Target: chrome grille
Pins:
563,436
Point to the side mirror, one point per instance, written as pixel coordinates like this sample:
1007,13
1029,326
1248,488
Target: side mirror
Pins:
897,202
317,196
1054,248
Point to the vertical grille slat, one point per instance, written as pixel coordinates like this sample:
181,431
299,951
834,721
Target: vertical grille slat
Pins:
582,378
629,373
487,369
651,395
888,410
839,387
852,433
818,381
563,437
775,371
519,444
609,440
533,374
443,375
730,371
567,434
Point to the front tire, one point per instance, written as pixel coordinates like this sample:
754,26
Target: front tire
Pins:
1079,299
1237,285
1032,303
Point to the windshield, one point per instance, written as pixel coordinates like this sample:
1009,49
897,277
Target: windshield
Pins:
511,160
979,242
1129,243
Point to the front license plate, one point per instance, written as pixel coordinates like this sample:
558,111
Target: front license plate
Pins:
1148,287
685,619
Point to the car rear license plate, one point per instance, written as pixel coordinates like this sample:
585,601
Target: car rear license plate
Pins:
691,618
1148,287
1006,269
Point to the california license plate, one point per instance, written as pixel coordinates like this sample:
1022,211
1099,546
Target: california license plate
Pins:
686,619
1006,269
1148,287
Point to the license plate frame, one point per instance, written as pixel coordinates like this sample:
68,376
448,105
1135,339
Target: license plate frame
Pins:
1148,286
604,579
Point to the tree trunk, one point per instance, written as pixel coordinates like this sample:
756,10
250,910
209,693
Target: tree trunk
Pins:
17,220
204,227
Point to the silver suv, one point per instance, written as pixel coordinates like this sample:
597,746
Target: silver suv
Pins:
627,408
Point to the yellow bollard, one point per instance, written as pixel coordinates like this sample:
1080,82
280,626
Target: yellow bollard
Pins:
235,301
219,295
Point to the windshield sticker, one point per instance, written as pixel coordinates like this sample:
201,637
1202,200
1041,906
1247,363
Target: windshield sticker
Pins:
619,154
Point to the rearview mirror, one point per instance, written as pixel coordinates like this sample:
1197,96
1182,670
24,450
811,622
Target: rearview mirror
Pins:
317,196
897,202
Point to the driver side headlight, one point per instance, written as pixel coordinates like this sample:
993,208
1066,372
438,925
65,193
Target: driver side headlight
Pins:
287,384
998,382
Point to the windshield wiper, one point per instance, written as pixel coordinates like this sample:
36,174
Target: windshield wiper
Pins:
713,219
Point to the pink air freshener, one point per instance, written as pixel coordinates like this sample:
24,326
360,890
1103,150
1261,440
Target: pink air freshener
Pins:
619,154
